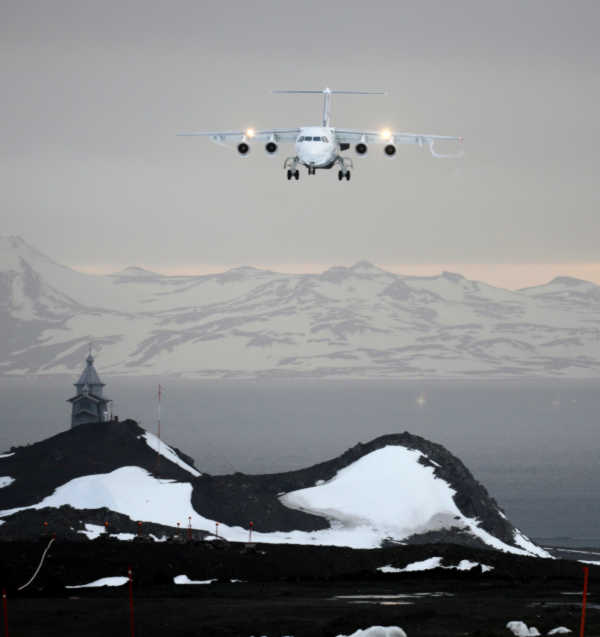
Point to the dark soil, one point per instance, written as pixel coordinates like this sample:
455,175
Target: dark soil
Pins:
286,590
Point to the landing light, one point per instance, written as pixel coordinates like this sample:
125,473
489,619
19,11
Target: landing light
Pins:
250,132
386,133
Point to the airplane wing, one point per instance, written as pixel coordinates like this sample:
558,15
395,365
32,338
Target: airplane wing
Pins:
389,137
222,137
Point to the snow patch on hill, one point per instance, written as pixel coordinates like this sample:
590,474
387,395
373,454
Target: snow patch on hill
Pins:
392,491
164,450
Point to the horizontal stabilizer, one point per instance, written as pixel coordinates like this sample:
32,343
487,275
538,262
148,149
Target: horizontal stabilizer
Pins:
327,93
326,90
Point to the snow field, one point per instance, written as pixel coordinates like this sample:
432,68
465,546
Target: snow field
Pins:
391,492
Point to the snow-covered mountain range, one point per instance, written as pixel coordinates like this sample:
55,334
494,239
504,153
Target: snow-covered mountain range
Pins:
358,321
396,488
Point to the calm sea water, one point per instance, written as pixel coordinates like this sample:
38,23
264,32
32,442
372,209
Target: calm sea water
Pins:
535,445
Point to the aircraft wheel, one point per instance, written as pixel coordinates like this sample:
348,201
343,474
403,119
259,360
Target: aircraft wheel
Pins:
297,175
289,174
340,175
347,175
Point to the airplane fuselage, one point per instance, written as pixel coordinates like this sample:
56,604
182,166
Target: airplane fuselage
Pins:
316,147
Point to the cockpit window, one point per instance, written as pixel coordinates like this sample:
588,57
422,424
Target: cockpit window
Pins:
300,139
316,139
324,139
308,139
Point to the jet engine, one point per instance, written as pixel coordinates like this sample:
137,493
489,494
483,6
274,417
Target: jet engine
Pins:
243,148
361,148
389,150
271,147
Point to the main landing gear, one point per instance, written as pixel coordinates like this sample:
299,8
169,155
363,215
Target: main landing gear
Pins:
290,165
345,164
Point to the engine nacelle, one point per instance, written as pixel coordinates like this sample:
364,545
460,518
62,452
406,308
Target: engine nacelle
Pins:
243,148
361,148
271,147
390,150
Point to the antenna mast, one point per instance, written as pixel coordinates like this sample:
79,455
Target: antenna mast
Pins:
159,393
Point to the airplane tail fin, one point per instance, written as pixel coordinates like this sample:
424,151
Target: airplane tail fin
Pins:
327,93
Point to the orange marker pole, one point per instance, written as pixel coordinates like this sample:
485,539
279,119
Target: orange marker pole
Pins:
586,572
189,527
131,625
250,532
216,529
139,529
5,612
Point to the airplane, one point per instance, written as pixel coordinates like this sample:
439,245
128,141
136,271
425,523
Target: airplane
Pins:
320,147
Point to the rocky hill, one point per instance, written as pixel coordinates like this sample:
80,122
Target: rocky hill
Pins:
398,488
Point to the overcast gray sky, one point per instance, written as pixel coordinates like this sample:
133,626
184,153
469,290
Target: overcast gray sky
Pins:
93,93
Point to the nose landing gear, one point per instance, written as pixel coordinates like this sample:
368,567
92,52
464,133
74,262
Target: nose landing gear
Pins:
342,174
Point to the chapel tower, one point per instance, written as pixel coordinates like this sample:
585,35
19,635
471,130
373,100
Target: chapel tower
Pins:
89,404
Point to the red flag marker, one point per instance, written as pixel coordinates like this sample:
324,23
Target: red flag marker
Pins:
131,624
250,532
216,529
586,572
5,612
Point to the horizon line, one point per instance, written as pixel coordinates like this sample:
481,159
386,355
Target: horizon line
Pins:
511,276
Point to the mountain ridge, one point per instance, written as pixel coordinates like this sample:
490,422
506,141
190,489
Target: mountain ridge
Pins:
346,322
